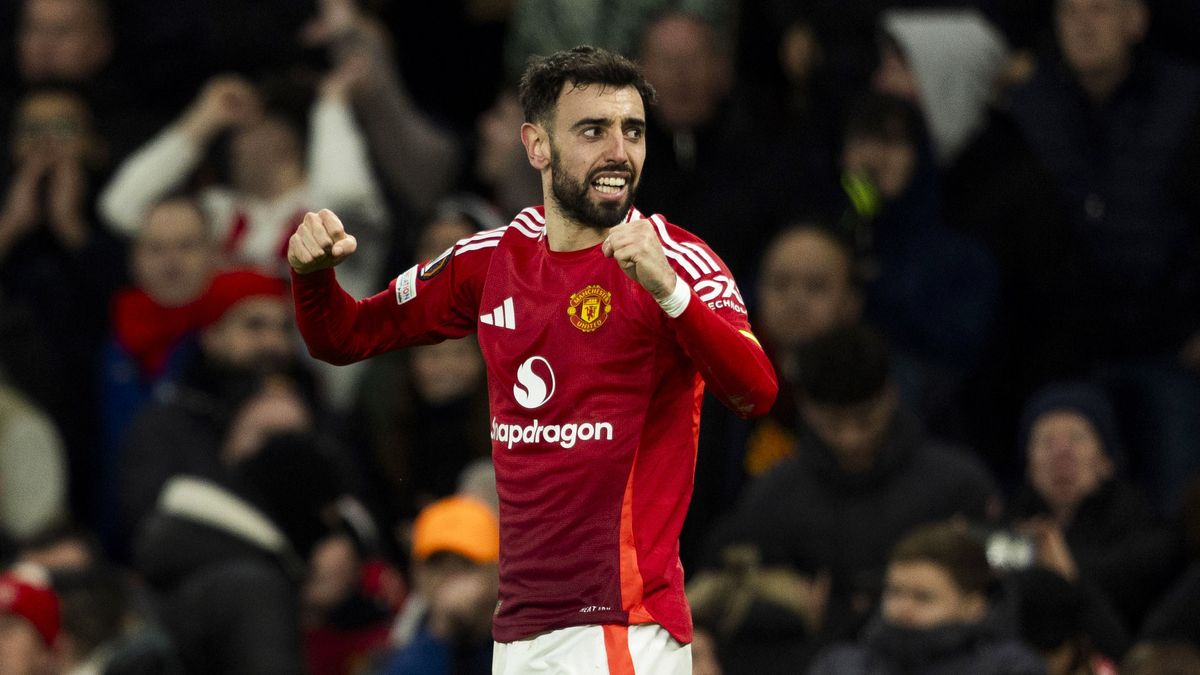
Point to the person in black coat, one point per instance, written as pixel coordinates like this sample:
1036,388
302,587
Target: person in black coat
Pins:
864,474
941,613
1086,521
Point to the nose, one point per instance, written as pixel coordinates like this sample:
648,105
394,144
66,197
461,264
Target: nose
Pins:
616,151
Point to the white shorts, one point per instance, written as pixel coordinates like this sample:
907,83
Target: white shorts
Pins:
644,649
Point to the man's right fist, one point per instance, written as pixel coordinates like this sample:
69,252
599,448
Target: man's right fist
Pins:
320,242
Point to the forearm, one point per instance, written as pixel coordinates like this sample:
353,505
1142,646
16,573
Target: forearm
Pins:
336,328
730,360
417,158
339,168
146,176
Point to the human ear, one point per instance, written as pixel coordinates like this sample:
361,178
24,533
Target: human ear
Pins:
536,140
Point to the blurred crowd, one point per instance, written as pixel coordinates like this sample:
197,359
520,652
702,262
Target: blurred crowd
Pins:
968,232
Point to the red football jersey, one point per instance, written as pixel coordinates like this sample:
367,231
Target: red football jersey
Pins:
595,402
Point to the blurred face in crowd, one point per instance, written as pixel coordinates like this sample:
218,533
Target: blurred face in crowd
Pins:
1096,36
854,432
255,334
64,40
262,154
681,58
461,592
441,234
887,163
55,124
1067,461
500,149
447,370
894,75
805,288
172,257
596,143
22,651
921,595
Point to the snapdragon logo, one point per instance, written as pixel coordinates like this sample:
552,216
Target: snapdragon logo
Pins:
565,435
530,390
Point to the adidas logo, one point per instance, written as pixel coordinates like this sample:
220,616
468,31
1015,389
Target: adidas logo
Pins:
501,317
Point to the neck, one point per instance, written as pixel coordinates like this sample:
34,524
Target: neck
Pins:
284,180
1100,85
565,234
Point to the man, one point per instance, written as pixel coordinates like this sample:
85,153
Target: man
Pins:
447,620
1131,245
941,613
574,303
864,472
182,429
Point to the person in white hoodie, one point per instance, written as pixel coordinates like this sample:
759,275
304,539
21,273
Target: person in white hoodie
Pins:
949,63
273,179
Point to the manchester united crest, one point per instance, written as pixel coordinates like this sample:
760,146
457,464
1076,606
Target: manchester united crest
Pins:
589,308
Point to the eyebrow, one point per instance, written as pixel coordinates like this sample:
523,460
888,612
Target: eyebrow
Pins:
605,121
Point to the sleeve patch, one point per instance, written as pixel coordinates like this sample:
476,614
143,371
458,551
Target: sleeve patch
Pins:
431,268
720,292
406,286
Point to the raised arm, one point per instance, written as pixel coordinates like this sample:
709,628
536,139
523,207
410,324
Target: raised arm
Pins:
416,308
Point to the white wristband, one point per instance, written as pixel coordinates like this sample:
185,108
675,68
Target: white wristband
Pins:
678,300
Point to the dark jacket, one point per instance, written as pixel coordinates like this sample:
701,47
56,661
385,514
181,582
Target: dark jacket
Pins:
984,648
809,514
1118,544
224,580
1118,166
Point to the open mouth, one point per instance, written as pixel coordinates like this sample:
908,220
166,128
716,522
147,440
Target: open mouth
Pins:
610,185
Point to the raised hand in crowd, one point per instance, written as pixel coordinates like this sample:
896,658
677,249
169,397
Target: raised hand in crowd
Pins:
226,101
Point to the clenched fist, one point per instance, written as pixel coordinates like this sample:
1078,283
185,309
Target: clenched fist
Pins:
636,248
319,243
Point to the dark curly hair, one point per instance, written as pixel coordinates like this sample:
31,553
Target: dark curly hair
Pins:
544,77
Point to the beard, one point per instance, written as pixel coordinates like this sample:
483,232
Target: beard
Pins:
573,196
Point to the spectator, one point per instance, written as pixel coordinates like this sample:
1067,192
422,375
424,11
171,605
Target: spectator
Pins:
809,284
72,43
153,321
417,157
1088,523
56,267
225,564
501,166
348,602
941,613
29,622
446,628
930,290
718,162
272,182
431,428
421,438
864,472
183,430
946,62
271,179
1128,189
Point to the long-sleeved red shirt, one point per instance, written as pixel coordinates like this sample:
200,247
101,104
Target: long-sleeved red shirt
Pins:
595,402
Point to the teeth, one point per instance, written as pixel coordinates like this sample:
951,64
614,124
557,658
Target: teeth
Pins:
613,182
